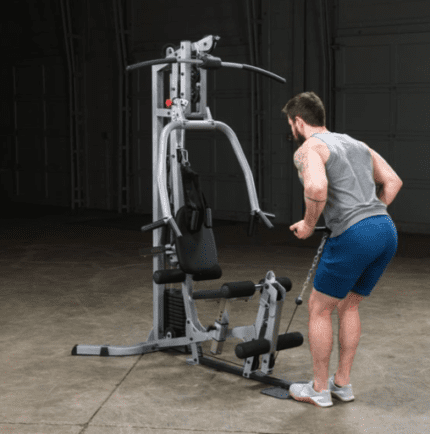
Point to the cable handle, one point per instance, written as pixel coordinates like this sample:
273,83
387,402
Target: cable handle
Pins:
322,229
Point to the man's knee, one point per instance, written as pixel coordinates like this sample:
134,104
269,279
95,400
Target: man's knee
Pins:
351,302
320,303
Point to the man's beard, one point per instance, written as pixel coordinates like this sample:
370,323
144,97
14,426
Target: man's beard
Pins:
300,140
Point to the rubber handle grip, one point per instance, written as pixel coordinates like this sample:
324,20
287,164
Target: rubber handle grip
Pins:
252,224
153,225
150,63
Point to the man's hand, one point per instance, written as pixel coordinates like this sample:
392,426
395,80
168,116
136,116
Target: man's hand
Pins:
302,230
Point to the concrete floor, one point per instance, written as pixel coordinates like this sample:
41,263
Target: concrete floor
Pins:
67,279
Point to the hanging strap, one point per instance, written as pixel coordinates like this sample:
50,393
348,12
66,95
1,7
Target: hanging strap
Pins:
195,201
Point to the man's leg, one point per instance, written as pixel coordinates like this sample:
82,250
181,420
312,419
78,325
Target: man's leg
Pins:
321,307
349,336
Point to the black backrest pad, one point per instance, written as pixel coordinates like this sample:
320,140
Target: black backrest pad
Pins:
193,195
196,249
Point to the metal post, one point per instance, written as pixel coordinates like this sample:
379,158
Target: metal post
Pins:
78,185
124,139
15,109
84,141
45,139
126,100
251,49
159,262
72,139
330,69
323,47
77,196
259,111
116,6
266,200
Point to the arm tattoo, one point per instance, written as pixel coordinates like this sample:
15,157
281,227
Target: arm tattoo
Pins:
298,163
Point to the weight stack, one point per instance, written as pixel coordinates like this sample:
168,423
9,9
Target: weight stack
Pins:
174,312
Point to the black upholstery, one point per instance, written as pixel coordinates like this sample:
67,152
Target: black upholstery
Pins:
196,249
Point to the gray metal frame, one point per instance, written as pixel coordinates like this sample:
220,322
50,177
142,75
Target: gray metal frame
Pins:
273,294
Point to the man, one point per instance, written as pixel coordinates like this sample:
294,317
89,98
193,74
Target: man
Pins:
339,175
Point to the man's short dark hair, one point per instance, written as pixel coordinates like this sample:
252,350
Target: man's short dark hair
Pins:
309,107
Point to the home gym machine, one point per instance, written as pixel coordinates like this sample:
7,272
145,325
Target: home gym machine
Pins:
184,247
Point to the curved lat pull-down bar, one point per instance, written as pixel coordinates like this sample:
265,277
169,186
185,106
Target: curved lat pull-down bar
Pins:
207,62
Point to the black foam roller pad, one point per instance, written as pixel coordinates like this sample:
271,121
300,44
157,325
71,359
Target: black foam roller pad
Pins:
212,274
262,346
169,276
228,290
285,282
252,348
289,340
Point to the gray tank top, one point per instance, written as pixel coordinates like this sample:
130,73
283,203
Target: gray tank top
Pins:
351,186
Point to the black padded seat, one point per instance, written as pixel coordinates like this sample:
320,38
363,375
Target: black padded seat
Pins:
196,250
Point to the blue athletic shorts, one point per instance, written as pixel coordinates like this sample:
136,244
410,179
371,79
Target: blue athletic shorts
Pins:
356,259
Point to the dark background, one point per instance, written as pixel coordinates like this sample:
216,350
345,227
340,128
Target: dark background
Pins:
76,131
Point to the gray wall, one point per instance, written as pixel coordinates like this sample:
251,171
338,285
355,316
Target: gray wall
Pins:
101,106
383,94
228,98
286,46
379,94
34,130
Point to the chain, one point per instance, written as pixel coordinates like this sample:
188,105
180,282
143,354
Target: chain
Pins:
315,263
305,285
